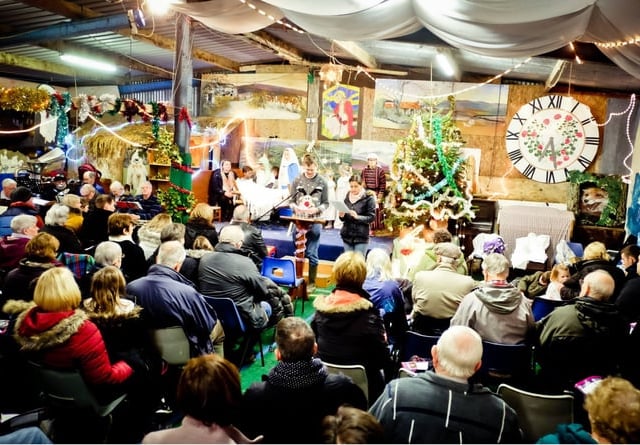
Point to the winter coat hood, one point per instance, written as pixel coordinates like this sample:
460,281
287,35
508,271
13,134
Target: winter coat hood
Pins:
597,316
342,306
502,299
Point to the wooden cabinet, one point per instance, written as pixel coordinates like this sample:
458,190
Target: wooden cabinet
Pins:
612,237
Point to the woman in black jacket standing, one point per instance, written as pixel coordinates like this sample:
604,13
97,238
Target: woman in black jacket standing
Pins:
362,211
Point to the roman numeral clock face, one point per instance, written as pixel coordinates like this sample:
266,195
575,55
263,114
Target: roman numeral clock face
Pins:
550,136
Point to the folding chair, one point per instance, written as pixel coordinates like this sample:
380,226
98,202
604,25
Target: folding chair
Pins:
505,363
538,414
172,344
234,327
417,344
541,307
357,373
282,271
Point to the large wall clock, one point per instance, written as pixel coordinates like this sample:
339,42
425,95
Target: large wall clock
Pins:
550,136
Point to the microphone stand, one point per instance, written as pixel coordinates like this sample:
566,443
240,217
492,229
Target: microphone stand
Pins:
291,196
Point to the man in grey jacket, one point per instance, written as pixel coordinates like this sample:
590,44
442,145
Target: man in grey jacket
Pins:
442,406
496,310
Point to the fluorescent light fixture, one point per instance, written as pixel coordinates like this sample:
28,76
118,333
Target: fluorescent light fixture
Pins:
446,63
87,63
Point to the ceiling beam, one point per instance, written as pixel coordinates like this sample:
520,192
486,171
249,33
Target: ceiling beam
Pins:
72,10
358,53
118,59
280,47
49,67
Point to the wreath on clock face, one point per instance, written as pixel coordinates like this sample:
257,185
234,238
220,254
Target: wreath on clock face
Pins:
568,128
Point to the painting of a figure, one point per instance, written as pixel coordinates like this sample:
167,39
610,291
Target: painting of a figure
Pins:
340,108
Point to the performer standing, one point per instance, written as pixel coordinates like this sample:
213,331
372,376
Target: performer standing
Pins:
222,188
362,211
310,198
376,181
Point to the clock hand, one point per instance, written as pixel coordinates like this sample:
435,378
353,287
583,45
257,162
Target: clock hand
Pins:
553,151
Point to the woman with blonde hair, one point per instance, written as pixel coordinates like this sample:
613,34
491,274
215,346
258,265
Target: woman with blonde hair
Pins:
200,222
149,234
57,333
348,328
595,257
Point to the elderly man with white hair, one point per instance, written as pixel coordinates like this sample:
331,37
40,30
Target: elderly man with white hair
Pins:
117,190
8,186
23,228
497,310
108,253
442,406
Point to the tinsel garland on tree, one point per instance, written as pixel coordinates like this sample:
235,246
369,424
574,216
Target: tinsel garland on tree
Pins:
428,178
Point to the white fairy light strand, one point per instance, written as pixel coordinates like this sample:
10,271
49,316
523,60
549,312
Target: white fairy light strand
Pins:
269,16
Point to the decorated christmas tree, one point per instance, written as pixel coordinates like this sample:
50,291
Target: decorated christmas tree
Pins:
428,178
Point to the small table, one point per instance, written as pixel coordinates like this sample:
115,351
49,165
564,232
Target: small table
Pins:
302,225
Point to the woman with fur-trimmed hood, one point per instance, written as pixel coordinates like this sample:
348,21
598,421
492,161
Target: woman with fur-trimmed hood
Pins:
348,328
55,332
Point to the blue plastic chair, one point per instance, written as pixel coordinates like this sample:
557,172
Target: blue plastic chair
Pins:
505,363
234,327
282,271
419,345
577,248
541,307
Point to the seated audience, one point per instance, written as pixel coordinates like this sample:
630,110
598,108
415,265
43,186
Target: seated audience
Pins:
352,425
582,339
176,232
385,294
429,260
149,202
629,258
496,310
348,328
55,221
75,218
21,204
95,225
12,247
40,256
534,285
200,223
91,178
442,406
209,395
149,234
614,416
253,243
227,272
169,299
297,380
437,293
55,332
559,274
134,264
595,257
89,195
117,191
201,246
8,186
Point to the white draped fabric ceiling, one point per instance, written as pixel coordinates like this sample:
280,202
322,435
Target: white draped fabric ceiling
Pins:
499,28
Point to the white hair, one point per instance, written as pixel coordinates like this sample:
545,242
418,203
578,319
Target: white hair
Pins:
459,351
108,253
171,253
86,190
379,263
6,182
116,185
20,223
57,215
495,264
231,234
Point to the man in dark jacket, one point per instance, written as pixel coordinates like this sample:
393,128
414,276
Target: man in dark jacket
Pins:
169,299
297,380
21,204
584,338
253,243
441,406
227,272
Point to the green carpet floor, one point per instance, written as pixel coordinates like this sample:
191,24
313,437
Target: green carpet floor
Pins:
253,372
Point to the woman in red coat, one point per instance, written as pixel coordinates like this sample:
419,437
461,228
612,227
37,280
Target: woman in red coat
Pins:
60,335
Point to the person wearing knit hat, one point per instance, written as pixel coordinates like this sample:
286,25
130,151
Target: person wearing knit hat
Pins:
437,293
21,204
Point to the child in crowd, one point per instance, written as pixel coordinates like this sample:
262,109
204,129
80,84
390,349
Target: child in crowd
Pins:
559,274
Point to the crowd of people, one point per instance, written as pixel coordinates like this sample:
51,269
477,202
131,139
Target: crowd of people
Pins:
135,270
